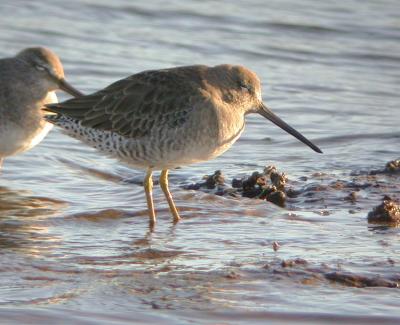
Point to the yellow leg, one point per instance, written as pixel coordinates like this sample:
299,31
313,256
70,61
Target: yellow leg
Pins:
148,188
164,187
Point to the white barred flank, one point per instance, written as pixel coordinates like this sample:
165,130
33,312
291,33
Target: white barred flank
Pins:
136,152
107,142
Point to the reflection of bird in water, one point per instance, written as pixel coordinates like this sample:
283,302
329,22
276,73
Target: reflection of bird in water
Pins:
20,203
27,82
162,119
23,221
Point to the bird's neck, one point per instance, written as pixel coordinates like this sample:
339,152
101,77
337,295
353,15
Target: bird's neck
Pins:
231,124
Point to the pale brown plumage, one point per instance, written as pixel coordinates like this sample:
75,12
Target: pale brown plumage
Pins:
161,119
27,82
133,106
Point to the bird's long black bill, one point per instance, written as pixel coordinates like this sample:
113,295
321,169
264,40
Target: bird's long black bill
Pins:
64,85
268,114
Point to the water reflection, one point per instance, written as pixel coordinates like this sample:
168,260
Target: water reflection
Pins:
107,176
24,222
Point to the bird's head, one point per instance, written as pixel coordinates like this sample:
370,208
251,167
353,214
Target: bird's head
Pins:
48,66
243,90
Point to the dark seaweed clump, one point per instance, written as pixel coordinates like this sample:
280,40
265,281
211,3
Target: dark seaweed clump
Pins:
386,212
305,272
268,185
391,167
215,181
356,191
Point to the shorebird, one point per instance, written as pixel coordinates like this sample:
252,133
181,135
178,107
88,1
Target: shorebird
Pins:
27,82
163,119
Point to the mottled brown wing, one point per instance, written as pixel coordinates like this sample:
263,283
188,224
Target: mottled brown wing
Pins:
132,107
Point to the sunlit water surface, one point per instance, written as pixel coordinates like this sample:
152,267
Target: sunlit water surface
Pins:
74,239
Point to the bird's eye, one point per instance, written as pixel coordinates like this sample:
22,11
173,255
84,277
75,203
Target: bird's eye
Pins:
40,67
245,87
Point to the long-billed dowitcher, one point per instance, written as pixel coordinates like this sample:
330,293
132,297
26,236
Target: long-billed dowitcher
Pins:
27,82
163,119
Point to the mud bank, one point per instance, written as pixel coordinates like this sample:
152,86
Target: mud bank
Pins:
358,191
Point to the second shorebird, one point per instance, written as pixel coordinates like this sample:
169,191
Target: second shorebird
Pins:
163,119
27,82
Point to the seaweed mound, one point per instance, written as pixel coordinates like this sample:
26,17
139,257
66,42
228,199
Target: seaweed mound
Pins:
268,185
387,212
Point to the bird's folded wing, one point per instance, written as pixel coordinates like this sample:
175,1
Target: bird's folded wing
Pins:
134,106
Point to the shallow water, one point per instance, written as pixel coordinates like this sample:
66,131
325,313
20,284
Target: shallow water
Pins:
74,233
